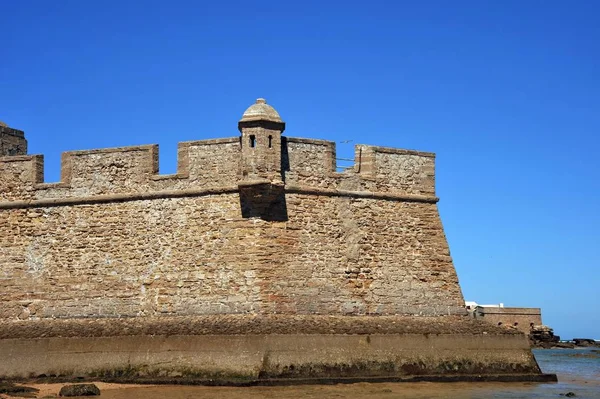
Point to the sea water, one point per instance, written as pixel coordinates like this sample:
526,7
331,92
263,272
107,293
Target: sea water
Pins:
578,371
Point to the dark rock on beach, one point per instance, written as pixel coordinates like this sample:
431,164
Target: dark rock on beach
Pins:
79,390
17,390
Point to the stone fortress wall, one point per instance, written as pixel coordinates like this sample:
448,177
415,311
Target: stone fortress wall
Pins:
256,261
523,319
114,238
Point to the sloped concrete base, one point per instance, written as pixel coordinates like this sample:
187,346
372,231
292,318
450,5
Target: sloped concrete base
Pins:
268,359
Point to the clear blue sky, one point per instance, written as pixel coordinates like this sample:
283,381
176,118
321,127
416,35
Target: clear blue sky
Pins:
507,93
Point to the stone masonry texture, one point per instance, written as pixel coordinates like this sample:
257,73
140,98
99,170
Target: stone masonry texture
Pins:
232,232
12,141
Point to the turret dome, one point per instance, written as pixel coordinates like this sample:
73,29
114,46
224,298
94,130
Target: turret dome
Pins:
261,111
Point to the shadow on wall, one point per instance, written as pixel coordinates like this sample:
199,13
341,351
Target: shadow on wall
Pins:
285,158
265,201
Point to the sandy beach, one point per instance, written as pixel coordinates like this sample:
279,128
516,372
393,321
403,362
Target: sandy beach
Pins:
423,390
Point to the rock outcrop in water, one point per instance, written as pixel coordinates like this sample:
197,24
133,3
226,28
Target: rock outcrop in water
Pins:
586,342
543,337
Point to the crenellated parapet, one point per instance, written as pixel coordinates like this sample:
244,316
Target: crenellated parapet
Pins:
377,171
257,160
209,165
206,165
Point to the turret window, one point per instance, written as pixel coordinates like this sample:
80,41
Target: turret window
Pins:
252,141
270,141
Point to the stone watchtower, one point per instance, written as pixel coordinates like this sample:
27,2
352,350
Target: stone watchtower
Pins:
12,141
260,172
261,128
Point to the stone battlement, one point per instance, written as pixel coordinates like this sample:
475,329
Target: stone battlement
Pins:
4,129
12,141
209,166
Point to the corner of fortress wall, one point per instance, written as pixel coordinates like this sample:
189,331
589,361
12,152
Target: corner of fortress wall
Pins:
254,237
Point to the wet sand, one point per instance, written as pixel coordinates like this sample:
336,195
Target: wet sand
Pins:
583,389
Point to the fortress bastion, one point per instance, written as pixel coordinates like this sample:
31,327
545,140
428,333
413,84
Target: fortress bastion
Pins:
256,262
